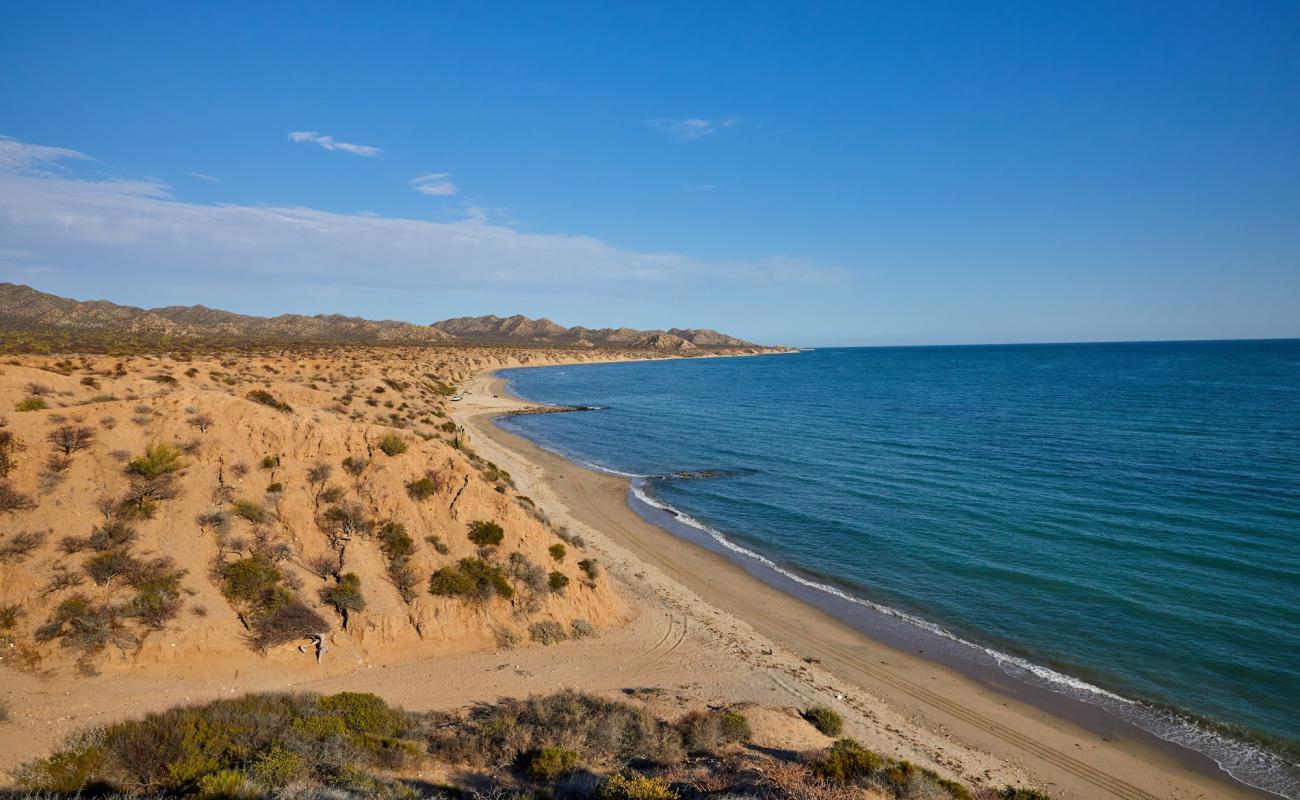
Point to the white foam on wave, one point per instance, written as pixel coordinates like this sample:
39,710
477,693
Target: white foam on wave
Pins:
1249,763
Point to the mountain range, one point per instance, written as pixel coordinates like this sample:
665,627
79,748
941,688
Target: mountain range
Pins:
25,308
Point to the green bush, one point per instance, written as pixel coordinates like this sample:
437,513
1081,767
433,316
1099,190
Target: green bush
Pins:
251,746
825,720
251,510
582,629
422,489
637,787
472,579
1013,793
31,404
249,580
158,460
551,763
557,551
486,534
227,784
395,542
392,444
847,761
365,713
344,596
557,581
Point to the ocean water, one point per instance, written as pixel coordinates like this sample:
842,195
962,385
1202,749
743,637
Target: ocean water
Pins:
1117,522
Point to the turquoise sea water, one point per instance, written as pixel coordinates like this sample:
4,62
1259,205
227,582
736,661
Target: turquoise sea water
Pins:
1117,522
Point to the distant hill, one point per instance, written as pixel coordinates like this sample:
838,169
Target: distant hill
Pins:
26,309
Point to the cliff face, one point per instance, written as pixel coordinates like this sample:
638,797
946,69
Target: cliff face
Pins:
25,309
200,502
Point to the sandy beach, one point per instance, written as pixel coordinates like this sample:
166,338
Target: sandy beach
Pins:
793,653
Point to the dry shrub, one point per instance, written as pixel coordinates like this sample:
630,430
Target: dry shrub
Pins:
15,547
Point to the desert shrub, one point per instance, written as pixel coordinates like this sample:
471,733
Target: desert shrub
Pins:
68,439
735,728
269,400
531,575
637,787
436,542
274,488
10,447
202,422
590,567
330,494
285,620
548,764
346,520
600,731
250,510
269,462
31,404
422,489
392,444
215,521
17,546
704,732
557,551
277,767
547,632
485,534
344,596
472,579
397,547
847,761
12,500
825,720
1014,793
67,772
85,628
395,542
9,615
250,746
226,784
582,629
158,460
157,585
364,713
110,564
557,581
248,580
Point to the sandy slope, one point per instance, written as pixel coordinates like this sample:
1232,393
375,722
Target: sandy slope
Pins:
900,704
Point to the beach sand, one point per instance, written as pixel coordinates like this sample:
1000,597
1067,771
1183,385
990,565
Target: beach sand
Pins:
794,654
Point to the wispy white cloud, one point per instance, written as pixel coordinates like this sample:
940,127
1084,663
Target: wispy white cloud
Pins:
203,177
330,143
136,228
688,130
435,183
16,156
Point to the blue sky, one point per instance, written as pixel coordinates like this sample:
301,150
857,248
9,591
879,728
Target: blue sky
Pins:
798,173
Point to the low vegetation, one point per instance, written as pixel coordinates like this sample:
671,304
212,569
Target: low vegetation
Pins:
826,720
471,579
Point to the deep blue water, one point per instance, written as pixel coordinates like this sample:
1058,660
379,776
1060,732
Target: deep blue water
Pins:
1127,515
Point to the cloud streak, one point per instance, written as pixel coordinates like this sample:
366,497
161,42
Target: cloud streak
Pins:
435,183
332,144
17,156
97,228
688,130
202,177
